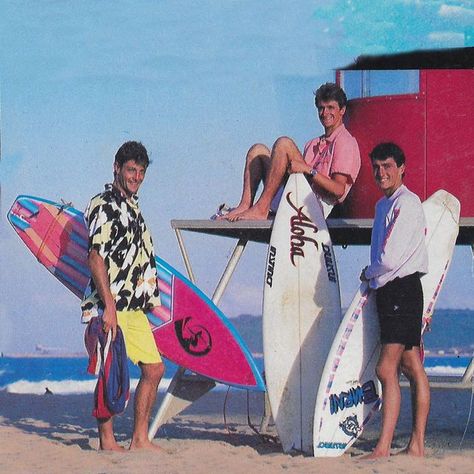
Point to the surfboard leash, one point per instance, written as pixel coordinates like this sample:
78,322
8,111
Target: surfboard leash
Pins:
264,437
468,416
224,408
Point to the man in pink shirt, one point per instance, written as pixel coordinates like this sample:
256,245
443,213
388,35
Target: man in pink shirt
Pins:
331,162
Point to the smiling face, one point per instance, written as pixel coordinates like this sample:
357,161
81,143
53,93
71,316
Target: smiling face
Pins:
388,176
129,177
330,115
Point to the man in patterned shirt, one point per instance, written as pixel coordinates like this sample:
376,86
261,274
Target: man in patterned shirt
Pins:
123,285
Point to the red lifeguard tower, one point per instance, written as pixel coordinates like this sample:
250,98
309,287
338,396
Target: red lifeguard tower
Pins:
424,102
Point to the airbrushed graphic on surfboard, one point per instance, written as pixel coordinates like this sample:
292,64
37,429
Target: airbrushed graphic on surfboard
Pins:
365,394
357,394
188,327
362,325
301,311
199,340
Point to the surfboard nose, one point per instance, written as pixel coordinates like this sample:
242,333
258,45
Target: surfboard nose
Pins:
21,212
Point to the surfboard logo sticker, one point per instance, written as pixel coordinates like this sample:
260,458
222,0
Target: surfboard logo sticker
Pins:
270,265
365,393
351,426
299,224
195,339
329,262
331,445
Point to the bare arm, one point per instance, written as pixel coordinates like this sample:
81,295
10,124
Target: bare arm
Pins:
334,186
101,280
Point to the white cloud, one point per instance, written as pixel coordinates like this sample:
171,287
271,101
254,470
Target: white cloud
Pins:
446,38
462,14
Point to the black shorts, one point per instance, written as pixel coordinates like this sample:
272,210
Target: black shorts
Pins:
400,311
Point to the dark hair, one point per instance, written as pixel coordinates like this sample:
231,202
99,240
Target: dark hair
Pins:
330,91
132,151
388,150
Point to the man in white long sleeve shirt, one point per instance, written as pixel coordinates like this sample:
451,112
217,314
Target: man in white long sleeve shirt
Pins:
398,258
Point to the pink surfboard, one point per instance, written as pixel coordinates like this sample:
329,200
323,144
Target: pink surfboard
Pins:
189,329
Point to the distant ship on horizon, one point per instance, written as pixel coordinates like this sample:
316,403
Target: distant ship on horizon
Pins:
45,351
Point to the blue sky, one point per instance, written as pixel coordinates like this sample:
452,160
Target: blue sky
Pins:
197,82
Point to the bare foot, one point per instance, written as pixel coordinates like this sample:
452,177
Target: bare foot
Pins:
113,446
253,214
147,445
373,455
232,214
410,451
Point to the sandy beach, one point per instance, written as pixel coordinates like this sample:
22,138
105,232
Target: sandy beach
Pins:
57,434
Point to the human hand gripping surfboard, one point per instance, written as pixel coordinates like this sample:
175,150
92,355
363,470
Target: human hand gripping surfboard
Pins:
189,329
350,393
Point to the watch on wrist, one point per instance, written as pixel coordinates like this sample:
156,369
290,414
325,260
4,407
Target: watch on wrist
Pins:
313,173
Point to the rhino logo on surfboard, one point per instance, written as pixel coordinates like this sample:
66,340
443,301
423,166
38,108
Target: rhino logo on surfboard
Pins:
350,426
300,223
195,340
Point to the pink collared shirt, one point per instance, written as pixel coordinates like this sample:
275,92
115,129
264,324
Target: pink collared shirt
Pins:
338,153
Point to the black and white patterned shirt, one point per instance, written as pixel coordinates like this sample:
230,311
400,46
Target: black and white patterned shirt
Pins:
118,232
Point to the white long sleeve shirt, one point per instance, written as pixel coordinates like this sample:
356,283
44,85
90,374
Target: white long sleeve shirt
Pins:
398,238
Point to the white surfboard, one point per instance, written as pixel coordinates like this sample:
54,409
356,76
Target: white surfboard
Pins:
301,311
350,393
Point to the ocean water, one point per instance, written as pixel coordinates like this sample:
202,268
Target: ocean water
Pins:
452,333
62,375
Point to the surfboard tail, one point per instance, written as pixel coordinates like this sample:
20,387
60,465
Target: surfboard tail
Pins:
350,393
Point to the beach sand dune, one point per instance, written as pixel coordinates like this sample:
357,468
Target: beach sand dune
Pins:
57,434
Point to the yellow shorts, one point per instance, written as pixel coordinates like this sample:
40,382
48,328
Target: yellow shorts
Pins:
139,340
